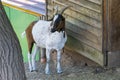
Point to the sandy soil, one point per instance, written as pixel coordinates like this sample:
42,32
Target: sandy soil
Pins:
73,73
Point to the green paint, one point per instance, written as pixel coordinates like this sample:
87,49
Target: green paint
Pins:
20,21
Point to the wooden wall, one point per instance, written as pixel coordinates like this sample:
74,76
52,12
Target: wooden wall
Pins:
84,26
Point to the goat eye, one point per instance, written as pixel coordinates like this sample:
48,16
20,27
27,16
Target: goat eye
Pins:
63,18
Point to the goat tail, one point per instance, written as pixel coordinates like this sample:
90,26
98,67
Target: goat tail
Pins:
23,34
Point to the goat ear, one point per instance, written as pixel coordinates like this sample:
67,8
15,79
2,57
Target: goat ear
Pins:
50,19
63,19
63,24
56,12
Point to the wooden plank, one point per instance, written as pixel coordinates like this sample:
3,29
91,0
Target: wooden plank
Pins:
88,5
84,19
82,3
114,28
38,1
105,32
84,11
96,2
85,50
82,32
99,2
84,40
79,9
111,33
21,7
82,25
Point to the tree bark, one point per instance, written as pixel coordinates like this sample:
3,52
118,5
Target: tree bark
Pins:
11,60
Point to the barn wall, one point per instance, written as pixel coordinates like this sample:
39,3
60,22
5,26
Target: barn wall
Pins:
84,26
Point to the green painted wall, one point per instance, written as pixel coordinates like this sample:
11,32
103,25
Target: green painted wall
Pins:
20,21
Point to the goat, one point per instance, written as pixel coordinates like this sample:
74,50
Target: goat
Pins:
47,35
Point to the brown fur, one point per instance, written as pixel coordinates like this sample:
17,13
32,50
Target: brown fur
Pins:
58,26
29,36
61,26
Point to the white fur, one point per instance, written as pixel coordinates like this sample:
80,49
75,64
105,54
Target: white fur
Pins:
45,39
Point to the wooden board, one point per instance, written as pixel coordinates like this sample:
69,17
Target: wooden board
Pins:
112,25
111,36
85,50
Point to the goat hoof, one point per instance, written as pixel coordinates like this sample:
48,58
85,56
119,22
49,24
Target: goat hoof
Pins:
31,70
59,71
34,70
48,73
43,60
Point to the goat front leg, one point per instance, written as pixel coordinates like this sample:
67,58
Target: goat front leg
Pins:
33,58
59,70
29,61
47,68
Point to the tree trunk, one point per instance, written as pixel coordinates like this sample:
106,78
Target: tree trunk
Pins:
11,60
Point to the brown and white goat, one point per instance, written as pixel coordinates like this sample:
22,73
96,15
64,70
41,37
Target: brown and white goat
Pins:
46,34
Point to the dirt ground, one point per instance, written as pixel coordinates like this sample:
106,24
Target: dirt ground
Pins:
75,67
73,73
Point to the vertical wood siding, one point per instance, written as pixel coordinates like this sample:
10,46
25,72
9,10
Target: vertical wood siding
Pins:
84,25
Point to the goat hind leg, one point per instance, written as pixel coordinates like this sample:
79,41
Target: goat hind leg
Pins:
43,55
29,62
33,58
